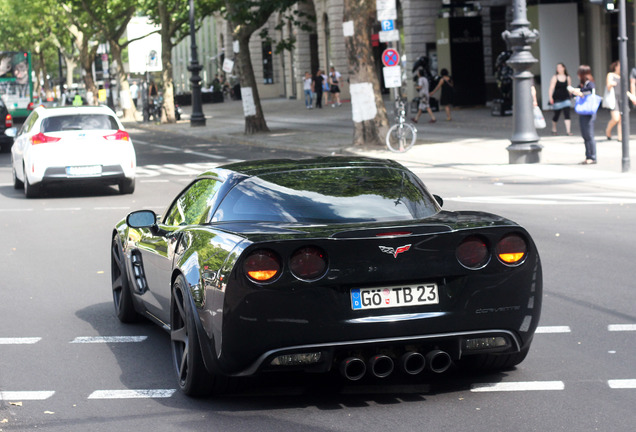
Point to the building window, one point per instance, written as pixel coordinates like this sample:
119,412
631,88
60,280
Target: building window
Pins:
268,65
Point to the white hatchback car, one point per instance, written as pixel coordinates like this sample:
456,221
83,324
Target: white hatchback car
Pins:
72,144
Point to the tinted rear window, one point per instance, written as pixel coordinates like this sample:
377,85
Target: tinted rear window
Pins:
328,196
79,122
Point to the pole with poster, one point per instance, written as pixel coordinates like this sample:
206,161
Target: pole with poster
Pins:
389,34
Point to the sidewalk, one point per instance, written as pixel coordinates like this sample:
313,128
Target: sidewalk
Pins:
473,141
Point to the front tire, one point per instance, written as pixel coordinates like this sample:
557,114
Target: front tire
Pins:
192,375
127,186
401,137
122,296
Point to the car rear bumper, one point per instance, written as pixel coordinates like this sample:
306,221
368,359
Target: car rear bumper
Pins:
111,174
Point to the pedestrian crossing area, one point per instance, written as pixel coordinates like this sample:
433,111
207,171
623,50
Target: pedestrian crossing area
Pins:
187,169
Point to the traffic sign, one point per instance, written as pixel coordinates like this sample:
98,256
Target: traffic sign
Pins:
387,25
390,57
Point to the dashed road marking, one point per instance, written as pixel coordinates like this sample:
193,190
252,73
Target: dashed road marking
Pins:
518,386
20,341
108,339
25,395
621,327
553,329
622,383
132,394
551,199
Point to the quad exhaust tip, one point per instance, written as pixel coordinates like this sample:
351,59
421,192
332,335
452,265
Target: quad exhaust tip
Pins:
381,366
438,361
353,368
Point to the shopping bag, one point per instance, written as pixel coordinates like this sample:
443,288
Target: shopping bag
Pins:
588,104
539,120
609,100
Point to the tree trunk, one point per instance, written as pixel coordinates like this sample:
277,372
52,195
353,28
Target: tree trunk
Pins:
127,105
168,112
254,122
369,113
87,57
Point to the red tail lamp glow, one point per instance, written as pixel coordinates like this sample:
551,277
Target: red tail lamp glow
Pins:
512,249
262,265
120,135
40,138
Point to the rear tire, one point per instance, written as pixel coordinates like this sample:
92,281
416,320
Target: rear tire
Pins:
122,296
127,186
401,137
31,191
17,183
192,376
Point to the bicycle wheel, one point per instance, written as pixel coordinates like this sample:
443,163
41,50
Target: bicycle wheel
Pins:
400,137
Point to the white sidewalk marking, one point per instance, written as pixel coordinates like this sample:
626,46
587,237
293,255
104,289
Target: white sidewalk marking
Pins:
622,383
20,341
551,199
108,339
25,395
621,327
518,386
132,394
553,329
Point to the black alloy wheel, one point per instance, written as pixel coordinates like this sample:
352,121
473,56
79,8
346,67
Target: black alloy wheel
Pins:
122,297
192,375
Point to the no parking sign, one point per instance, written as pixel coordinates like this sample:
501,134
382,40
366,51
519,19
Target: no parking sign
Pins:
390,57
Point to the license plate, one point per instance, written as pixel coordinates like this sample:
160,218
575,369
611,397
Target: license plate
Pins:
389,297
90,170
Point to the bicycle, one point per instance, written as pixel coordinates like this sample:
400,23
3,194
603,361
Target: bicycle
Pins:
402,135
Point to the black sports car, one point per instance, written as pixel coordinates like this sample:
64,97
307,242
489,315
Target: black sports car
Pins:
325,264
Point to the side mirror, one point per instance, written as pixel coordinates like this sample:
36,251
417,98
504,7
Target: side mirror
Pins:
11,132
141,219
439,200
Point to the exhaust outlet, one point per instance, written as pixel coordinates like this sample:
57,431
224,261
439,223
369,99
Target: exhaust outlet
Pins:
438,361
412,362
353,368
381,366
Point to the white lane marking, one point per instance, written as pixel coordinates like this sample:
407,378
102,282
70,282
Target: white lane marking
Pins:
549,199
111,208
108,339
518,386
553,329
621,327
20,341
154,181
132,394
16,210
25,395
63,209
178,149
622,383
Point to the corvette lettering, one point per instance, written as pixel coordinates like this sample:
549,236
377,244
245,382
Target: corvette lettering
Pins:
395,251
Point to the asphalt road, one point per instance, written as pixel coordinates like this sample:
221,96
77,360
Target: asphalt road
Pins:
67,364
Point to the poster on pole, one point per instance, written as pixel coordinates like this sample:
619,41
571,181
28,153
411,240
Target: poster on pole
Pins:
386,9
228,65
392,76
249,108
389,36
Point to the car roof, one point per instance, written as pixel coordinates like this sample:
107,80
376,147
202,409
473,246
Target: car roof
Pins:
70,110
268,166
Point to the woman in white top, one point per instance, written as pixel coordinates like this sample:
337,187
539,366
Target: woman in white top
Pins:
613,81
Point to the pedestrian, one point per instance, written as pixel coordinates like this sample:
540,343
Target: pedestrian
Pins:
307,88
560,98
134,93
316,87
613,82
586,122
334,87
422,88
325,87
446,86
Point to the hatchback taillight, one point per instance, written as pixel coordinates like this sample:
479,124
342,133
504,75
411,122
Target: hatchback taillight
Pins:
262,266
473,252
308,263
120,135
8,121
512,249
40,138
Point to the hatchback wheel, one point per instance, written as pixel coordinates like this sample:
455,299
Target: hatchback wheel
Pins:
17,183
31,191
127,186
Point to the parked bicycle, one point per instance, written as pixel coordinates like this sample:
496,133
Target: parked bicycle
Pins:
402,135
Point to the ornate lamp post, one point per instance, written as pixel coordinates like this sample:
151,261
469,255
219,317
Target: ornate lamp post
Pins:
524,147
197,118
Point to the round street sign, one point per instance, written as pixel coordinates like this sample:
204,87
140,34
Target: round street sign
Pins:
390,57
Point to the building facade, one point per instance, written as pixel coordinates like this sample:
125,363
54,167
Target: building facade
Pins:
463,37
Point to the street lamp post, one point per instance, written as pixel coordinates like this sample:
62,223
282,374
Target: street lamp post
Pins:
197,118
524,147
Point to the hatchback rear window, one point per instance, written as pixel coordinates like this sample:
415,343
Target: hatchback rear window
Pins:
79,122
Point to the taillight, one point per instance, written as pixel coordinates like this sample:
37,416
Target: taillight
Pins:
8,121
473,252
31,106
40,138
512,249
308,263
262,265
120,135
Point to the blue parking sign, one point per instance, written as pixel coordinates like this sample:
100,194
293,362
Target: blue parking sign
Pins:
387,25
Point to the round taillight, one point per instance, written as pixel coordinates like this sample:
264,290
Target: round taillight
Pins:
512,249
473,252
262,266
308,263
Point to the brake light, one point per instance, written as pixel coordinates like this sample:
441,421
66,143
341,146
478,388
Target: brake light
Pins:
40,138
308,263
512,249
31,106
120,135
8,121
262,265
473,252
